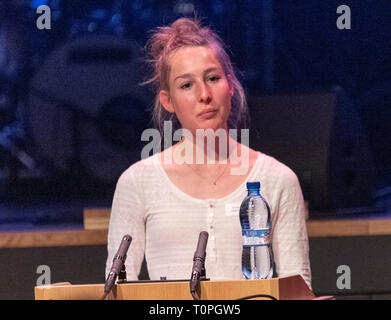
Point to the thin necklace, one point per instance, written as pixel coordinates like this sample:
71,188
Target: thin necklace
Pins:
214,181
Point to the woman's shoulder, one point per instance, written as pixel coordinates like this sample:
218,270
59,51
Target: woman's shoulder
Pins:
140,169
274,168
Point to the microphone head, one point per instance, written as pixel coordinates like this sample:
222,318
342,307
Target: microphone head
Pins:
126,240
201,245
127,237
123,247
118,261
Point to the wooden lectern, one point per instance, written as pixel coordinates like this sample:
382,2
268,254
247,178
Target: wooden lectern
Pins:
285,288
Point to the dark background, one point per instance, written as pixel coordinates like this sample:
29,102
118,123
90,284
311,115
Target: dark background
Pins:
72,113
278,47
284,46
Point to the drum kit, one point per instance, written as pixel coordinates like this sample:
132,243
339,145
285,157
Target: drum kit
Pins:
71,104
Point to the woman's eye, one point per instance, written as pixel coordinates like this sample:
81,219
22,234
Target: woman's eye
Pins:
214,78
186,85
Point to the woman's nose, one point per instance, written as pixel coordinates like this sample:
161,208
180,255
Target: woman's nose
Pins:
205,94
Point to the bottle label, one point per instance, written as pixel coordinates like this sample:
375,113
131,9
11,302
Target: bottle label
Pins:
255,237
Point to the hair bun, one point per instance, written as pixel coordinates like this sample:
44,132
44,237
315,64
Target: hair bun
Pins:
184,25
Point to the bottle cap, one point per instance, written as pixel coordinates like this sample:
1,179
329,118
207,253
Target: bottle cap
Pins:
253,185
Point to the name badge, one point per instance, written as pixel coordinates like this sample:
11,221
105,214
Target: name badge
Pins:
232,209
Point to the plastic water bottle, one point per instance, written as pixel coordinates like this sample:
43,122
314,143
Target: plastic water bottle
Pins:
257,258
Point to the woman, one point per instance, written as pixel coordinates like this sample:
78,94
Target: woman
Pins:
164,203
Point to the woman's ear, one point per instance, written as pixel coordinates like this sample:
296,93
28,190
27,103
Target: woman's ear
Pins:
165,100
230,85
231,91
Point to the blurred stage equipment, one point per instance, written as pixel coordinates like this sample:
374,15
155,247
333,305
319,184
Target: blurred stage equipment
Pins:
320,137
16,159
77,110
86,110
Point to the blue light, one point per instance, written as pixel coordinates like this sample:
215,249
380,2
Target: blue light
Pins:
36,3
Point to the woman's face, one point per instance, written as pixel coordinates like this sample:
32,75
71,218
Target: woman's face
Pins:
199,92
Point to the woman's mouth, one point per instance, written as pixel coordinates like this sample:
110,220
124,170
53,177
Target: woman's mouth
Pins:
208,114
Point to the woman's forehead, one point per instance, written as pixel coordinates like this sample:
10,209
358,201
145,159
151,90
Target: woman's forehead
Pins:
189,59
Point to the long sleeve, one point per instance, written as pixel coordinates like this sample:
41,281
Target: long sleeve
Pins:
127,217
290,240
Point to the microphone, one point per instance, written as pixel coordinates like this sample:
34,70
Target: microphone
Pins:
199,262
118,263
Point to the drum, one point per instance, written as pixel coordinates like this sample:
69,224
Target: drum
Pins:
86,106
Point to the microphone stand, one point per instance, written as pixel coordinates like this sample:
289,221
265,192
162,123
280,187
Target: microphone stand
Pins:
118,266
202,277
198,272
121,279
122,275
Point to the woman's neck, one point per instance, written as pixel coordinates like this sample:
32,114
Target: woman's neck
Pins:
209,148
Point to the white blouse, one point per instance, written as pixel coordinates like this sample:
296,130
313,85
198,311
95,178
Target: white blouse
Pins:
165,223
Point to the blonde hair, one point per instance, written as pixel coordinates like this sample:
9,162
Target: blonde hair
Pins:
189,32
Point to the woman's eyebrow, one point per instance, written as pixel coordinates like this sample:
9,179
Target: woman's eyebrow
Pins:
187,75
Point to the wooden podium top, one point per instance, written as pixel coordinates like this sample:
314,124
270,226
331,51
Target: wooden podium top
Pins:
285,288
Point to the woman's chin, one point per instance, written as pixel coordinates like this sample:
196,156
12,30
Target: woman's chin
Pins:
212,124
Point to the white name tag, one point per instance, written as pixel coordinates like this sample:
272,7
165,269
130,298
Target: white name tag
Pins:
232,209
